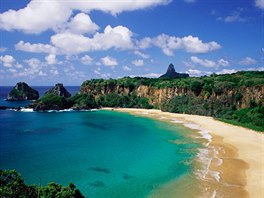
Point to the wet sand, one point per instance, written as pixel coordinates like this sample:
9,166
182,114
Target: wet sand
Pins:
236,165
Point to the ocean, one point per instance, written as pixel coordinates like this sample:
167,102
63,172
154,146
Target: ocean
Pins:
104,153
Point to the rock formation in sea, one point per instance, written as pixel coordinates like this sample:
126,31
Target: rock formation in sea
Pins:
59,90
22,92
171,73
53,99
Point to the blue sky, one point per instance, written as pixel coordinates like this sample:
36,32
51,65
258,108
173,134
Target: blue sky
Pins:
45,42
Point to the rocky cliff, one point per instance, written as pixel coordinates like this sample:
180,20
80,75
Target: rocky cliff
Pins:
22,92
222,89
59,90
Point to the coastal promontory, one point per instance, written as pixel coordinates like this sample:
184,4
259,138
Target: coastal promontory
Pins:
22,92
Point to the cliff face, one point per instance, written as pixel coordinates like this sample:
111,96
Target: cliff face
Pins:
240,97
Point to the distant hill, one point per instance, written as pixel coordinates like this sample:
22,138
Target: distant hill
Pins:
171,73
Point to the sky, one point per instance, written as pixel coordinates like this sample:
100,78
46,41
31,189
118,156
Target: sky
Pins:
43,42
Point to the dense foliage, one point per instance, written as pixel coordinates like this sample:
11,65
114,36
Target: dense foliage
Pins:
12,186
212,83
220,96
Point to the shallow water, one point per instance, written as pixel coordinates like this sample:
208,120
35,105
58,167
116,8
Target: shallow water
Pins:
106,154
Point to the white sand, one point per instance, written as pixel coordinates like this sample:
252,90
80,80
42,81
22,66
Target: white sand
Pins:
249,143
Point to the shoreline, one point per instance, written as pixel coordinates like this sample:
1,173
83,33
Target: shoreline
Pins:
238,162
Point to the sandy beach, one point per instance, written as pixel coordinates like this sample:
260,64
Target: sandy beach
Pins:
240,152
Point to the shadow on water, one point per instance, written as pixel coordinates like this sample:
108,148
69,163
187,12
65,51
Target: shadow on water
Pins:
127,176
44,130
99,169
98,184
94,125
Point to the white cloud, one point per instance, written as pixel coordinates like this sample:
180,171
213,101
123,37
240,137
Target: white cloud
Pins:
126,68
227,71
138,63
247,61
260,4
118,37
141,54
209,63
39,16
34,63
149,75
35,48
195,45
170,43
69,43
81,24
109,61
36,17
194,72
144,43
51,59
54,71
87,60
7,60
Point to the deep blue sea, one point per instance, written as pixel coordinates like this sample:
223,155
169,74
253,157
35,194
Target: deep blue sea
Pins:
104,153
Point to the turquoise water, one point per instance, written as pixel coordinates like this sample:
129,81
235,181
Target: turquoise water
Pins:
105,153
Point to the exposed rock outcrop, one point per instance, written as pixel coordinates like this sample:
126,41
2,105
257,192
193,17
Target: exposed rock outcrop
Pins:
171,73
59,90
22,92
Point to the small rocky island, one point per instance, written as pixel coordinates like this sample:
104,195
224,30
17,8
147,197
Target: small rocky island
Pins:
22,92
59,90
54,99
171,73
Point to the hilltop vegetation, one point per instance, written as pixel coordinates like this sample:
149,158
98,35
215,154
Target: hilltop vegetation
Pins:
12,185
235,97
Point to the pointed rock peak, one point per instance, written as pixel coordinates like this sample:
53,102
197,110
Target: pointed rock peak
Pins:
22,92
171,73
59,90
171,68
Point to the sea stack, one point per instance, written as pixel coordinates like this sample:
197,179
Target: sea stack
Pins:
22,92
59,90
171,73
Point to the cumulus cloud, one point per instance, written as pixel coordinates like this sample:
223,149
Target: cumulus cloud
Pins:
7,60
126,68
260,4
68,43
170,43
138,63
247,61
87,60
35,48
235,16
51,59
209,63
39,15
141,54
81,24
109,61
